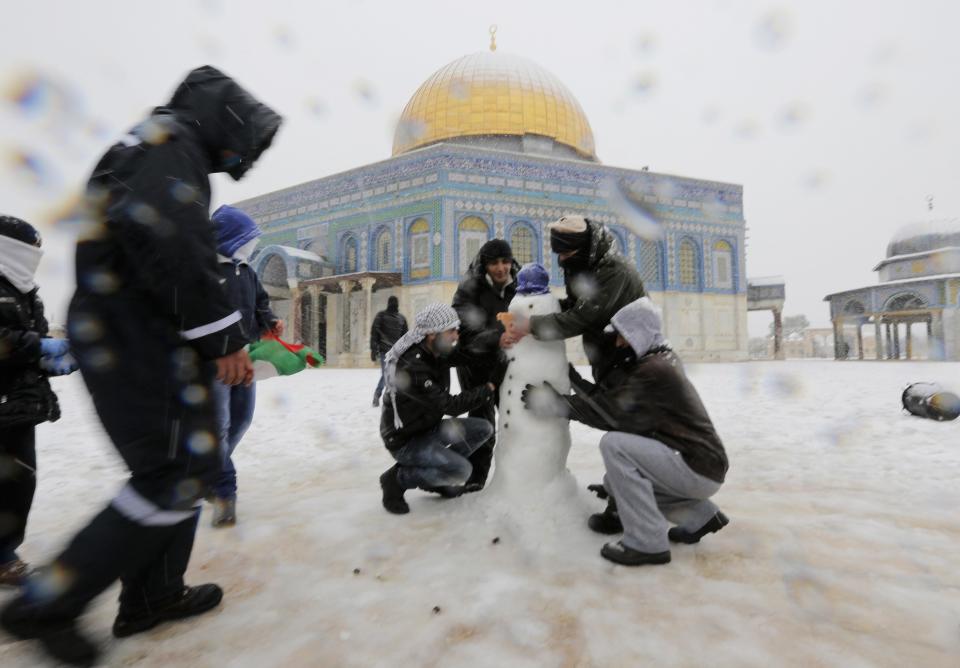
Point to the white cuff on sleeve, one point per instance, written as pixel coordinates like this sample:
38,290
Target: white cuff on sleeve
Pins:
210,328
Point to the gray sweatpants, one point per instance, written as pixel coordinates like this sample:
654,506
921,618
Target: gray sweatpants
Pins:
652,484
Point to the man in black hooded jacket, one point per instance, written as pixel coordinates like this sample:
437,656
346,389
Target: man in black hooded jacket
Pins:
151,326
487,289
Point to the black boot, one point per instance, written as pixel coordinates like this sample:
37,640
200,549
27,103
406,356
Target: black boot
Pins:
392,492
61,639
192,601
619,553
480,461
608,522
713,525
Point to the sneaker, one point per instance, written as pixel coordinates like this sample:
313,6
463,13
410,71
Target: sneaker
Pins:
62,640
192,601
619,553
13,573
224,512
608,522
713,525
393,499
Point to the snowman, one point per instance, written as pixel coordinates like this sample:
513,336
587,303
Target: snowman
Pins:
531,452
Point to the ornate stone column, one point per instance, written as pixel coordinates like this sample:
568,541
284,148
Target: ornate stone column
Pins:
345,325
877,337
367,285
778,352
859,340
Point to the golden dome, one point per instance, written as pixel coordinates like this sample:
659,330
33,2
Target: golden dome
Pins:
492,93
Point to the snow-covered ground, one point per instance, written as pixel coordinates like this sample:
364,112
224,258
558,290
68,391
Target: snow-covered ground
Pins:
844,546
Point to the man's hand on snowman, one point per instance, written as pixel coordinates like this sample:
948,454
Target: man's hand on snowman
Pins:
519,327
544,401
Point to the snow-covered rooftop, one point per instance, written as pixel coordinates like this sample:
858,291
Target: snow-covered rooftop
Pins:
761,281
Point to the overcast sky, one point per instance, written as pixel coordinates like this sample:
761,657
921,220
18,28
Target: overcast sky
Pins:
838,118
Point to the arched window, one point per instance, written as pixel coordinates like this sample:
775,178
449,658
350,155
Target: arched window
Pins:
348,259
419,234
522,244
853,307
473,233
383,258
650,263
722,265
906,302
689,269
275,272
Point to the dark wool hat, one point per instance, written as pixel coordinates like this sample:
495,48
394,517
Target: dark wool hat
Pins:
569,233
20,230
494,250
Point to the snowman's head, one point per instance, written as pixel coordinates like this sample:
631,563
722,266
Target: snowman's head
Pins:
530,305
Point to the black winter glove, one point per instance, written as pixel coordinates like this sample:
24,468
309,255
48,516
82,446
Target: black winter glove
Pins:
373,356
599,490
544,401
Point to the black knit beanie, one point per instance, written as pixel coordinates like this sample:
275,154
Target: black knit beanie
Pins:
494,250
19,230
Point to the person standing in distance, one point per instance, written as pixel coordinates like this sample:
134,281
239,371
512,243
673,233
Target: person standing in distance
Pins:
388,326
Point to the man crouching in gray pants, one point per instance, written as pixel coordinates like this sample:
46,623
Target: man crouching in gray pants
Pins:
663,457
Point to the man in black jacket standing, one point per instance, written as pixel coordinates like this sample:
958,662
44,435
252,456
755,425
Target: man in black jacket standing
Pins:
487,289
27,357
151,326
388,326
431,452
663,457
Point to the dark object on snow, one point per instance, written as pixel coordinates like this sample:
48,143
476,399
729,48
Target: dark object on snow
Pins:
436,610
929,400
356,571
496,540
619,553
713,525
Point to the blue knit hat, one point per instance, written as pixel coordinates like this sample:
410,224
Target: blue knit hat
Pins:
533,279
234,228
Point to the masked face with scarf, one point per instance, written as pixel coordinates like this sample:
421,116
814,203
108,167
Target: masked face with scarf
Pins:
19,252
570,240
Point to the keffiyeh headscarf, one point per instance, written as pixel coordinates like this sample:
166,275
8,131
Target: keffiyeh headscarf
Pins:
434,318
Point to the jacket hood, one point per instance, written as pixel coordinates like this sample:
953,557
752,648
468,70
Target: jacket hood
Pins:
601,243
393,304
234,127
639,322
234,228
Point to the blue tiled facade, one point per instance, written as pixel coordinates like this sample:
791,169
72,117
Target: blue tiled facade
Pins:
408,214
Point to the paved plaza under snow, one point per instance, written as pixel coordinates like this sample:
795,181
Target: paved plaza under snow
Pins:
842,551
